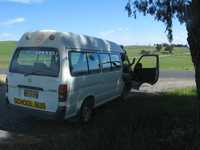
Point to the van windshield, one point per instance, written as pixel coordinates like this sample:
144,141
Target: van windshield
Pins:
36,61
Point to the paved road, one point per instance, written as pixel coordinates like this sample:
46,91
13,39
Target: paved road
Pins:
177,74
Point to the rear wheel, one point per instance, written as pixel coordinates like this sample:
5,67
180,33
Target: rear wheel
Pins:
86,111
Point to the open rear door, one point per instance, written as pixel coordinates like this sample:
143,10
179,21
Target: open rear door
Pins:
146,70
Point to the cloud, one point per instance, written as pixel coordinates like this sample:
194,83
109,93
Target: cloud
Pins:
128,36
12,21
24,1
106,33
120,35
110,32
7,36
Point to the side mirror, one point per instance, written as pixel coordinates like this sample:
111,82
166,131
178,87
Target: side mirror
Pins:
133,61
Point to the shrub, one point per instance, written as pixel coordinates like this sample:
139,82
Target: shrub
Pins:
145,52
158,47
169,49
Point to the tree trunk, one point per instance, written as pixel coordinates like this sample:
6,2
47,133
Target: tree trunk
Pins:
193,28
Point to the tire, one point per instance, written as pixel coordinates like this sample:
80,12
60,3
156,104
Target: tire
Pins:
123,95
86,111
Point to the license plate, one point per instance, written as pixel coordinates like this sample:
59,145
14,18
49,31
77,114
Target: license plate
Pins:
30,103
31,93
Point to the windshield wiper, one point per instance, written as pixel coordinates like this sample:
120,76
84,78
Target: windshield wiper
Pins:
30,73
36,72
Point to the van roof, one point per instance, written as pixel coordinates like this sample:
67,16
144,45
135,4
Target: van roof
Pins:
68,40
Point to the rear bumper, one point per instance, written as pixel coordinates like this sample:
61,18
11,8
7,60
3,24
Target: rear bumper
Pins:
58,115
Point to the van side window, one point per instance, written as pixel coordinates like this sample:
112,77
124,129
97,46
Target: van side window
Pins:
93,62
105,62
115,61
78,63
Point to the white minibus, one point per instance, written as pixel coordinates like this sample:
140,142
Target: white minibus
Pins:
66,75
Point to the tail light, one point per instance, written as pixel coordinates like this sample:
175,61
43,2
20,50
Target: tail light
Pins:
62,92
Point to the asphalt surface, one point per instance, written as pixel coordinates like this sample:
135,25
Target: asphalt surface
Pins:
177,74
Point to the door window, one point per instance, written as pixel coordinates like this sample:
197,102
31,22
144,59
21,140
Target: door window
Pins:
148,62
115,61
105,62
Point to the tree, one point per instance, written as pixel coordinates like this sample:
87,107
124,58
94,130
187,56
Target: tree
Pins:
158,47
169,49
186,11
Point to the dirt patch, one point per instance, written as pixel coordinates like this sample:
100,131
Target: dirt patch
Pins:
168,84
2,79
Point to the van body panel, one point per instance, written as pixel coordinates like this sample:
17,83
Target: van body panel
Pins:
67,40
40,93
48,95
34,91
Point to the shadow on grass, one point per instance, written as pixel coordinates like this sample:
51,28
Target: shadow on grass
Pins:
144,121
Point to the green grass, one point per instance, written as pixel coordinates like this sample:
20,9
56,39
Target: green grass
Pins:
179,60
176,63
6,49
134,51
179,98
143,121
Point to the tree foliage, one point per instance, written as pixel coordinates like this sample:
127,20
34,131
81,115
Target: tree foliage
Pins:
161,10
158,47
169,49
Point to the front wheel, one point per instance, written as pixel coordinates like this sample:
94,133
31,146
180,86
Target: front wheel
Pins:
124,94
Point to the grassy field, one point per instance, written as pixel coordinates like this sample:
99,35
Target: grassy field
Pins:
179,60
6,49
144,121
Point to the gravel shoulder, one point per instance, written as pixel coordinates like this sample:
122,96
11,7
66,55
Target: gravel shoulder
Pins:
168,84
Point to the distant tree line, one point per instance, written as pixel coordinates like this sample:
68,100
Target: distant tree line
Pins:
168,48
174,45
164,48
180,45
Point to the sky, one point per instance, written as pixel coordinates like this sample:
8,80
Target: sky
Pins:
105,19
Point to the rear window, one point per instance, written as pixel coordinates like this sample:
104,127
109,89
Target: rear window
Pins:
36,61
